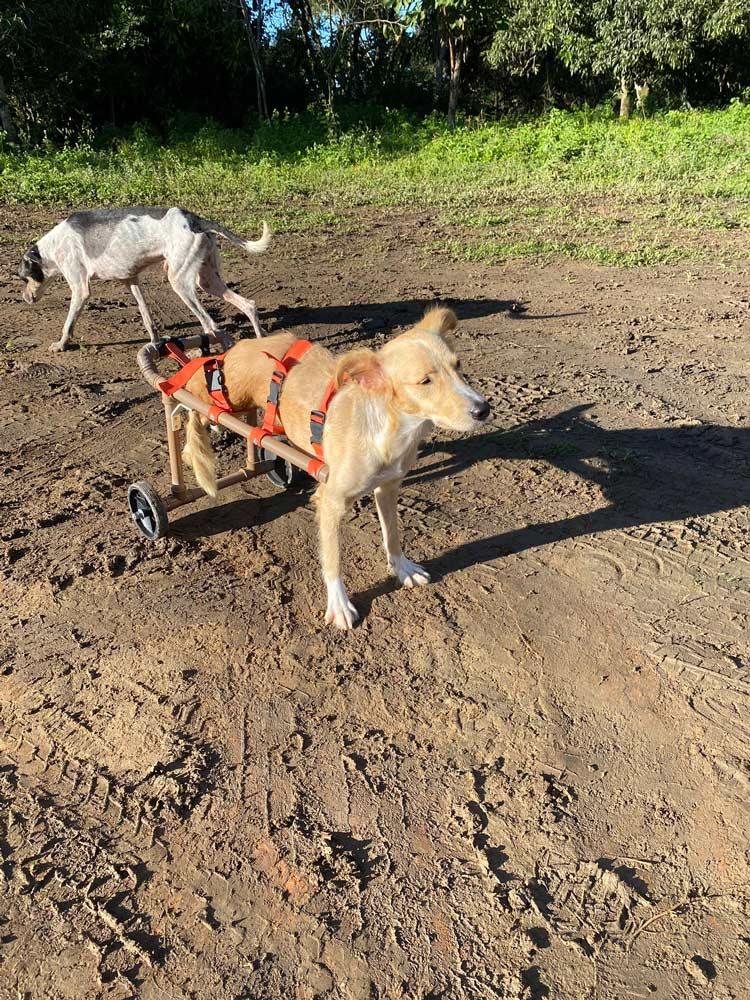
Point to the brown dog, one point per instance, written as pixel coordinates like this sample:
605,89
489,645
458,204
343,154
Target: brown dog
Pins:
386,402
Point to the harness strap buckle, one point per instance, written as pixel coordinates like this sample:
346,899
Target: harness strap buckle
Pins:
274,388
215,380
317,425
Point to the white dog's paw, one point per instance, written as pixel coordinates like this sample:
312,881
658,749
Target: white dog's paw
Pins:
59,345
410,574
340,612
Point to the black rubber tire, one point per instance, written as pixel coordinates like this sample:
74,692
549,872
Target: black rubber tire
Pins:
284,475
148,511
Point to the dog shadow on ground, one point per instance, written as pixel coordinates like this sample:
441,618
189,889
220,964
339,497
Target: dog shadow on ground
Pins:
358,322
647,475
365,321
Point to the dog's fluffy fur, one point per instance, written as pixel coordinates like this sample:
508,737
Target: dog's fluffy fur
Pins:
116,244
387,401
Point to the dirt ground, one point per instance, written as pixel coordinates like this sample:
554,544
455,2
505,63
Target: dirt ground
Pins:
530,779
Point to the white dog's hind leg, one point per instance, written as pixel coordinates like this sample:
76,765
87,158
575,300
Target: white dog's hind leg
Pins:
212,283
135,289
187,293
184,279
246,306
410,574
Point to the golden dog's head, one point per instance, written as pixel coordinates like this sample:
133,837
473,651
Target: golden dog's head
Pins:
420,372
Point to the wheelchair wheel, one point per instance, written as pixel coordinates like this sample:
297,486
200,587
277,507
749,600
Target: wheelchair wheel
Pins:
148,511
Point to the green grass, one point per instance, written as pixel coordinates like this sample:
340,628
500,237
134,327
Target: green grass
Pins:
684,169
497,252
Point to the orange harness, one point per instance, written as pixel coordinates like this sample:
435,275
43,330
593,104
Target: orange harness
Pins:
212,365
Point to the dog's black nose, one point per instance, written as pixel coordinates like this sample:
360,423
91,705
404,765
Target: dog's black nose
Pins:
481,411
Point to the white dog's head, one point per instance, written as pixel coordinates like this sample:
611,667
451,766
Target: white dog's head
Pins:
32,274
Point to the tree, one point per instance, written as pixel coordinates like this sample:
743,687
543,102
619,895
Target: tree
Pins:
536,33
252,13
626,42
636,42
455,24
6,118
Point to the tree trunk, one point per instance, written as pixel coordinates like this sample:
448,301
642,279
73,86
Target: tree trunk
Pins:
455,55
254,43
355,83
625,100
260,71
548,94
6,118
302,13
642,91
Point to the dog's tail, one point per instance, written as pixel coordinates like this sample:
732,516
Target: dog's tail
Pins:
249,246
199,454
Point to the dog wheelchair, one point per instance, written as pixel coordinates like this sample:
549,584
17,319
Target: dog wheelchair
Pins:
268,453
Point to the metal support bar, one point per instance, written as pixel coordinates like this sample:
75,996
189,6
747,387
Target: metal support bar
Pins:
195,492
174,442
233,423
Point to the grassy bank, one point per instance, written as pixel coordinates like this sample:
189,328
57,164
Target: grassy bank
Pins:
690,168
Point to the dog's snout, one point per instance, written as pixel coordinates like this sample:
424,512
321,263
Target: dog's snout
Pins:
481,410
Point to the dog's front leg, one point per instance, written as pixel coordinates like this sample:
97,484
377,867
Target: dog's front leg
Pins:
77,302
340,611
410,574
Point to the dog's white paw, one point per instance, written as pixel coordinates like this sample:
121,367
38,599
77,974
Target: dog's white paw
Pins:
340,612
410,574
58,346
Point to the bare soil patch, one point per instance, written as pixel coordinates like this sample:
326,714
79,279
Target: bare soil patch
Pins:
527,780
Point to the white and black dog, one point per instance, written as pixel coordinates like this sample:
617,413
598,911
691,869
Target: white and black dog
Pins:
116,244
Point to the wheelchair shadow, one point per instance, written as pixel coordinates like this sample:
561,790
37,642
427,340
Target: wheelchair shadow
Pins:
245,512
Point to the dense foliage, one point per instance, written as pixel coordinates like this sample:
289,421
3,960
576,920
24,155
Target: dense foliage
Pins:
72,65
310,161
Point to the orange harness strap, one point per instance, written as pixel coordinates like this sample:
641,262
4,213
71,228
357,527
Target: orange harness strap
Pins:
212,365
271,423
292,357
318,419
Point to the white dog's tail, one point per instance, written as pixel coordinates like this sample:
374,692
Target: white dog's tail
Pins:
199,454
249,246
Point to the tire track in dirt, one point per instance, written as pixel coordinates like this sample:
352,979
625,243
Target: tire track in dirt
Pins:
120,839
113,826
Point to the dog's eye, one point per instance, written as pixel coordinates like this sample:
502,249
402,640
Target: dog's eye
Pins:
457,365
426,380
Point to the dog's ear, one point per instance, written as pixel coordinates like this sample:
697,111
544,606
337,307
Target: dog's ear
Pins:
362,367
441,321
33,254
